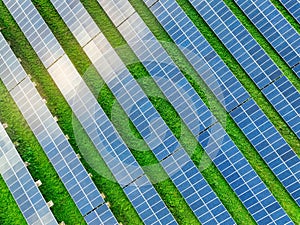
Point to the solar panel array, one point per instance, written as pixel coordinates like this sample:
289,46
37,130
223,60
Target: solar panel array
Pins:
60,153
293,6
142,113
21,184
134,32
275,28
254,60
93,119
188,31
238,173
104,136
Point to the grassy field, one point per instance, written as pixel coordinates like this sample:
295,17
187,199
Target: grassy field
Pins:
94,164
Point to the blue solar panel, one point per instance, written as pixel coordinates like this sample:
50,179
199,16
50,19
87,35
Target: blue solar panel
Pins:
275,28
282,160
191,184
293,6
248,53
21,184
142,189
101,215
198,48
286,100
144,116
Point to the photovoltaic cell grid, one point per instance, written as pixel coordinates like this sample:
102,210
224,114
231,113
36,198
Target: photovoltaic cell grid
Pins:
238,41
145,117
279,156
13,68
131,29
73,175
275,28
21,184
242,178
97,125
261,133
293,6
248,53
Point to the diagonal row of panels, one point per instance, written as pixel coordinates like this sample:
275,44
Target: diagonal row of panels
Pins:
253,59
293,6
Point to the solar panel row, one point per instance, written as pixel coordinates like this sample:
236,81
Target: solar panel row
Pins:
258,65
192,44
93,119
134,32
21,184
73,175
139,109
275,28
293,6
286,100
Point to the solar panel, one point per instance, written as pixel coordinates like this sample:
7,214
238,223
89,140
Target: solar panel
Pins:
202,56
198,50
93,119
141,112
275,28
133,30
280,158
286,100
254,60
44,45
22,186
293,6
